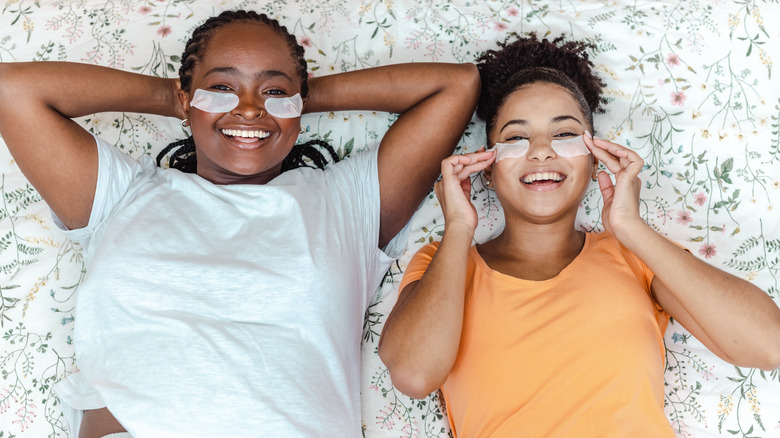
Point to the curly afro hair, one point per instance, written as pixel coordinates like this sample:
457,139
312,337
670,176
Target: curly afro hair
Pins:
527,60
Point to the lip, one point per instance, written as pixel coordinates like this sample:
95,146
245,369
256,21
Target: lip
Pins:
544,175
245,143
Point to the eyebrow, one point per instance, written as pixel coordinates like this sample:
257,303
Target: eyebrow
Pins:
232,71
555,119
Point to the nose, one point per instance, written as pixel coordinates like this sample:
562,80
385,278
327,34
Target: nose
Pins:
541,150
249,106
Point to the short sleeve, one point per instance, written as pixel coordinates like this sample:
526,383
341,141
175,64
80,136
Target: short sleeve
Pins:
357,177
116,173
418,265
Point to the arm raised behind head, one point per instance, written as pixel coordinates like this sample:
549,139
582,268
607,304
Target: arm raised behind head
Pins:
58,156
435,102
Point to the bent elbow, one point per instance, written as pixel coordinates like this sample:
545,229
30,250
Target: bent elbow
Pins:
772,359
413,384
764,356
471,82
409,379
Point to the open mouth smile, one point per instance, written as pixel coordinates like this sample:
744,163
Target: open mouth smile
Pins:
246,134
543,178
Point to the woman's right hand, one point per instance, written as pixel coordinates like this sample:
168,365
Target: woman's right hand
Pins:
454,188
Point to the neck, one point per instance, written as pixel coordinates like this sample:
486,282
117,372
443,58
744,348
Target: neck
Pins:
540,240
533,251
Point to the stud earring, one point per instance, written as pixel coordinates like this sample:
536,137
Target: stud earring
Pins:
185,123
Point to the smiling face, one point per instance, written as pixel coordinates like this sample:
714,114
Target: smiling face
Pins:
244,145
540,186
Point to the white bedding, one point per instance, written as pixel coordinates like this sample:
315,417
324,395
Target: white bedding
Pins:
693,88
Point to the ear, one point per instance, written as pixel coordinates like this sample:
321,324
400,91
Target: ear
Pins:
184,101
488,172
305,101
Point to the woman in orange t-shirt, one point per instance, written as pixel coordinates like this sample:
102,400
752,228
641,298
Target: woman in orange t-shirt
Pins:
545,330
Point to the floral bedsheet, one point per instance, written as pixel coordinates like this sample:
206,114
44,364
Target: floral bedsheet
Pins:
692,87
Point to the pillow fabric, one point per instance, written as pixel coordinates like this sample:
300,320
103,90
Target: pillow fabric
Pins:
690,87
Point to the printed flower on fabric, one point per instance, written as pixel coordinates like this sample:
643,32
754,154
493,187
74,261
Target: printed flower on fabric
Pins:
684,217
678,98
707,250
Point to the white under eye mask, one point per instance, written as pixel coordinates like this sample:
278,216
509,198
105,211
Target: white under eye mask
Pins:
571,147
214,102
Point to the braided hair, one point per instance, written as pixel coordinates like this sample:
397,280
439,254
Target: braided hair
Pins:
528,60
184,155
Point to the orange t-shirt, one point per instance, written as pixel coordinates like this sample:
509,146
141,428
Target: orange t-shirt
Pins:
578,355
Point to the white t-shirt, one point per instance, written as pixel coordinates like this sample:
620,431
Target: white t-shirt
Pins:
228,311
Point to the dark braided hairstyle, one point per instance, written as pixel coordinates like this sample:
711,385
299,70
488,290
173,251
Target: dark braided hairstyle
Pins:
528,60
184,155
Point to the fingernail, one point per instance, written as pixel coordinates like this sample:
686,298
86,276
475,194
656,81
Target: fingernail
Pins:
588,134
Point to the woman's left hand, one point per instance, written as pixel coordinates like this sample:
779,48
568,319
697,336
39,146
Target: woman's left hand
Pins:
621,200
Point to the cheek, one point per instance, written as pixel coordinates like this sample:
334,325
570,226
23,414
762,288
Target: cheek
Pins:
289,129
202,124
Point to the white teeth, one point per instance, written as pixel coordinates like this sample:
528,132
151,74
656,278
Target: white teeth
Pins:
246,134
543,176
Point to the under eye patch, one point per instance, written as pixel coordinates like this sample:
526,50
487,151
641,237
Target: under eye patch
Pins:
284,107
571,147
512,150
214,102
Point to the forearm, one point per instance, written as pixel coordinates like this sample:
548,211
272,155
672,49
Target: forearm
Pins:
392,88
421,337
734,318
75,90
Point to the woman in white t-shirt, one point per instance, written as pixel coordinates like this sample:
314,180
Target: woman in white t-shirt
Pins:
226,298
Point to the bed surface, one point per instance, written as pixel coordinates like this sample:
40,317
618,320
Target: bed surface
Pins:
692,87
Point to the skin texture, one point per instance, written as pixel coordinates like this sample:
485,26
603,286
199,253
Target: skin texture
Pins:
420,340
435,102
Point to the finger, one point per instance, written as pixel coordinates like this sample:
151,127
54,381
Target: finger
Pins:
610,161
617,150
617,158
465,185
606,186
475,167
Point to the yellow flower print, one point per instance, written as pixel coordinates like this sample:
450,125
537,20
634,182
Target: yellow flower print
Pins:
725,405
388,40
734,21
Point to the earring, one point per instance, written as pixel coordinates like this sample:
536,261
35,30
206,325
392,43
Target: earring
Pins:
489,184
185,123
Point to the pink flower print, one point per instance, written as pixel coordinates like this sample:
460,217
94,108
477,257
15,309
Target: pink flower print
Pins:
164,31
707,250
678,98
500,26
144,10
512,11
305,41
684,217
699,198
673,60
